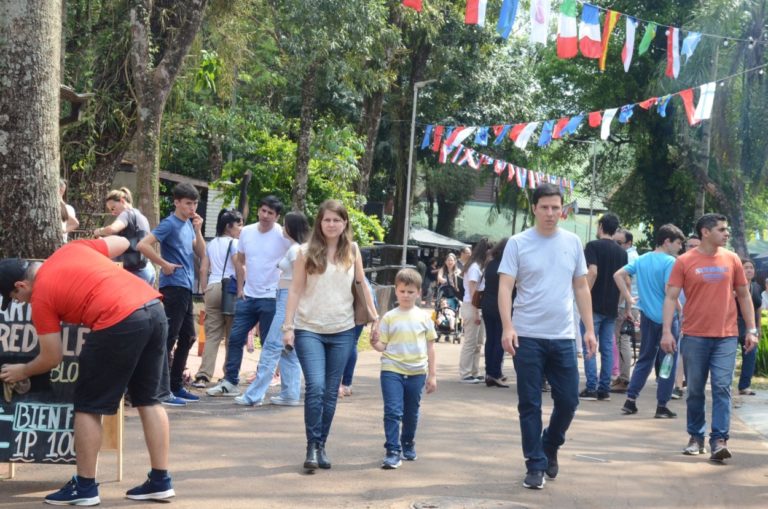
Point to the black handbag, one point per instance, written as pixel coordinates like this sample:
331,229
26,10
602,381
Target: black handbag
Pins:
227,297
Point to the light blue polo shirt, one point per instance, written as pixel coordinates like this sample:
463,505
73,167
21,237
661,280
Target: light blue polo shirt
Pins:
651,272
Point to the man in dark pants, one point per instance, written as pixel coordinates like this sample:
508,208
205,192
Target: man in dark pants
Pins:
125,349
180,237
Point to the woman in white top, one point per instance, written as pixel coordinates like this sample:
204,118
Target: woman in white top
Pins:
295,228
449,273
320,308
217,265
471,319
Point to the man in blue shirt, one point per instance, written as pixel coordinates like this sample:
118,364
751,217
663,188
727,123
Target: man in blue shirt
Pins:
180,237
651,272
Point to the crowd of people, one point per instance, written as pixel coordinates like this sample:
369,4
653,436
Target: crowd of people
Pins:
540,296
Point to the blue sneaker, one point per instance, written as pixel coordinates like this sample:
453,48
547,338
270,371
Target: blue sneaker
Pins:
391,461
73,493
174,401
186,395
152,490
409,452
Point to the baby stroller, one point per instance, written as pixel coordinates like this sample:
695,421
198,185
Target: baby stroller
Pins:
447,314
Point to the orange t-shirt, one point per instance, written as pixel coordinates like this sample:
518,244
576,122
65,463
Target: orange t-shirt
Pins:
708,283
78,284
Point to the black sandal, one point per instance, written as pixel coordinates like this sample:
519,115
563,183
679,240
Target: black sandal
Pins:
747,392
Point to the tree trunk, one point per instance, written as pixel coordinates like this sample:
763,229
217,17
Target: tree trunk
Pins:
736,219
215,160
30,223
446,217
372,107
308,94
147,153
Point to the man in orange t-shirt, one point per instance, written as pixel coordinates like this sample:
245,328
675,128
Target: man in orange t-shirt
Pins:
709,275
126,348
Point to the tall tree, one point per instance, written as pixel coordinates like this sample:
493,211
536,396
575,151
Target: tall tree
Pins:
30,45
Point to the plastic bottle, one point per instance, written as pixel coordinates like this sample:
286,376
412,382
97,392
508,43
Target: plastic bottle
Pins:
666,366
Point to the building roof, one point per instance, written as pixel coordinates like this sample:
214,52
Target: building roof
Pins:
428,238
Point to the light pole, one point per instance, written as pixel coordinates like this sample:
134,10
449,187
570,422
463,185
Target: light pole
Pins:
407,225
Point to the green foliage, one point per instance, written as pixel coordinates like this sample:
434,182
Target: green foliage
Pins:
366,229
761,364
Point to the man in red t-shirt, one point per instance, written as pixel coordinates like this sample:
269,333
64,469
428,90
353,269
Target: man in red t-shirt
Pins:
709,275
126,348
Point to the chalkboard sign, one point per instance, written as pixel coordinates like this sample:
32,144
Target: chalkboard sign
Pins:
37,427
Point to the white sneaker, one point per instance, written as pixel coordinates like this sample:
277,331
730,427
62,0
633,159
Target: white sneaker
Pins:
223,388
240,400
280,401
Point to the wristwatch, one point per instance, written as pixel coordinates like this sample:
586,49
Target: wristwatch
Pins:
752,331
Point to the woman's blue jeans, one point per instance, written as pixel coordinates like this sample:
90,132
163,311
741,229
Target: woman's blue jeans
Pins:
322,358
272,352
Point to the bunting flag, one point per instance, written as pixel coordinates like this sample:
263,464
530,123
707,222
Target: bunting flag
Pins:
648,37
605,130
525,135
572,125
610,23
557,133
673,52
546,133
626,112
507,18
521,176
413,4
501,133
427,135
629,43
595,118
515,132
532,179
567,36
468,159
646,105
510,172
540,11
706,101
687,97
456,154
663,102
589,32
459,135
499,166
444,151
481,137
475,12
689,44
437,142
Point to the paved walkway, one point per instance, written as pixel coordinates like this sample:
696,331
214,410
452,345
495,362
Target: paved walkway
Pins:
224,456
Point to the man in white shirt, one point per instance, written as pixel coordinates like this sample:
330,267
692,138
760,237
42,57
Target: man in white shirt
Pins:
260,248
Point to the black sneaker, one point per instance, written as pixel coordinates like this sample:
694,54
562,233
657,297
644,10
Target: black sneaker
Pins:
588,395
603,396
534,480
629,407
552,467
663,412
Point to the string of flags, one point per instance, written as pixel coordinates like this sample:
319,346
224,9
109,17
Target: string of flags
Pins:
522,133
585,36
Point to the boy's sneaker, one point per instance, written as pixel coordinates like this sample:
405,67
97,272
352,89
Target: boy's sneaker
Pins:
588,395
603,396
223,388
391,461
663,412
694,447
552,467
534,480
186,395
470,380
152,489
281,401
409,452
174,401
200,382
73,493
629,408
720,450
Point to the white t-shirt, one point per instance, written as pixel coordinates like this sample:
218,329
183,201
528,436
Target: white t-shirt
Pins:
262,253
473,273
286,264
70,213
544,268
217,251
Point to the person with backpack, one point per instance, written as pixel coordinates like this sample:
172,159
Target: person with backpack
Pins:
132,225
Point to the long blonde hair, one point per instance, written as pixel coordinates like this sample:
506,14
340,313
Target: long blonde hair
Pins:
317,248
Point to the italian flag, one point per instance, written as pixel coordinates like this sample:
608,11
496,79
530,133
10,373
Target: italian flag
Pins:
475,13
567,38
589,32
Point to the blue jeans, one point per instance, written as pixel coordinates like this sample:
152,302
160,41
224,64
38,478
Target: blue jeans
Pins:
349,368
534,359
402,398
322,358
714,357
271,353
147,273
248,312
748,361
494,352
604,331
650,338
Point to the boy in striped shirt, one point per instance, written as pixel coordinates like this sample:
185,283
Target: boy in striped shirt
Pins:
406,338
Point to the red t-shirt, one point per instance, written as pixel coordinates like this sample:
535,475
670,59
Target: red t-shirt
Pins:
708,283
79,284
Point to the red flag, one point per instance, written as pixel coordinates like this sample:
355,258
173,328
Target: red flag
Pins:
438,138
595,119
687,97
413,4
515,131
556,133
646,105
511,172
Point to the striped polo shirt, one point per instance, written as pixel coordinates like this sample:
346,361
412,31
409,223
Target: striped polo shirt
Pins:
405,334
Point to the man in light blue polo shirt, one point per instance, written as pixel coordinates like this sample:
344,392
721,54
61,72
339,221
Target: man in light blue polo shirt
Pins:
651,272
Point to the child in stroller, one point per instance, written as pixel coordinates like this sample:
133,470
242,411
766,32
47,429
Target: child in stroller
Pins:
446,316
